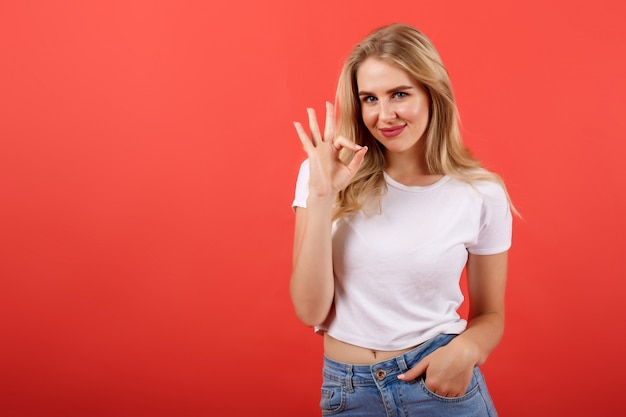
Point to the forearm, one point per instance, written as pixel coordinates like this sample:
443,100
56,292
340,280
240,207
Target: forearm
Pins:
312,281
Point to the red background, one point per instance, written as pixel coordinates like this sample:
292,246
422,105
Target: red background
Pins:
147,166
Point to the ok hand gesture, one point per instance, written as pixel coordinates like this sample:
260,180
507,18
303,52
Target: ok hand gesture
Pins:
328,173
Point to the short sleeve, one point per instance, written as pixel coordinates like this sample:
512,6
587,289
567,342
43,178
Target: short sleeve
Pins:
496,221
302,186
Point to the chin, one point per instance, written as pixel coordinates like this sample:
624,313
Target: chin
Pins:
398,147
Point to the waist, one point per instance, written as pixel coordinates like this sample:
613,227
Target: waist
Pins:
343,352
409,358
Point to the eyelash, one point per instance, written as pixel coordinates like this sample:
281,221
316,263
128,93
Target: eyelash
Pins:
398,95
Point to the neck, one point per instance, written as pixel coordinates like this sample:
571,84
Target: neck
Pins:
409,163
409,168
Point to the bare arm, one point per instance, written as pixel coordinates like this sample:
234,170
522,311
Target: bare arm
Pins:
312,281
486,276
449,369
312,285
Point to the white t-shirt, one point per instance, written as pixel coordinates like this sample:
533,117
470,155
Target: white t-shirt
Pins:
397,273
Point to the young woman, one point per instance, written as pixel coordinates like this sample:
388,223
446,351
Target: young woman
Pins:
390,209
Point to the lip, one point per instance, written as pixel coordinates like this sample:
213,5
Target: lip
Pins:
392,132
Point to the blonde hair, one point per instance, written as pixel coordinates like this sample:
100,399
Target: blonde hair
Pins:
409,49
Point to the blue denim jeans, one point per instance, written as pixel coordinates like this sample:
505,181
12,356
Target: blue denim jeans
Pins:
375,390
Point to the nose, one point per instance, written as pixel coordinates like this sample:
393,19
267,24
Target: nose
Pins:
386,111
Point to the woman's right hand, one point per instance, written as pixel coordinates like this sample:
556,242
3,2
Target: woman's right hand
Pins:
328,173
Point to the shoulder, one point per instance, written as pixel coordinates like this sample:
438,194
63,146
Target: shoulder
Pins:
495,222
485,185
302,185
304,169
493,190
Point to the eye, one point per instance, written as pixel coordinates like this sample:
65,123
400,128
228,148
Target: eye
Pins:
369,99
399,94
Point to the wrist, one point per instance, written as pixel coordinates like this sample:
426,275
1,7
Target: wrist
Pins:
317,200
467,348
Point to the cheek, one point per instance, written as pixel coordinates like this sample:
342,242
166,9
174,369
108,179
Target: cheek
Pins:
369,117
420,114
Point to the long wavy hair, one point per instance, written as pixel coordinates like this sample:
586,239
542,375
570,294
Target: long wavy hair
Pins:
409,49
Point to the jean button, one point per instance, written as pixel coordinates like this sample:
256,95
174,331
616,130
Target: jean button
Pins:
381,374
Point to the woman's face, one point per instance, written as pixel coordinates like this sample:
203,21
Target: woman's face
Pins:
394,107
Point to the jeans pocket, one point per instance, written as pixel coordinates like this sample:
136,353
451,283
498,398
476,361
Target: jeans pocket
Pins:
472,390
333,399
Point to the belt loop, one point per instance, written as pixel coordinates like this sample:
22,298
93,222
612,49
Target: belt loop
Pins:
349,374
402,363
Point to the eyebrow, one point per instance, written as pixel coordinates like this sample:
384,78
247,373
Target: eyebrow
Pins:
393,90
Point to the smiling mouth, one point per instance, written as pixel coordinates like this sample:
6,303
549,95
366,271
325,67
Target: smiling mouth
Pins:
391,132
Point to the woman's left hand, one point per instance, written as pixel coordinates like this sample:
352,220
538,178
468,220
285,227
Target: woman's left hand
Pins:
448,369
